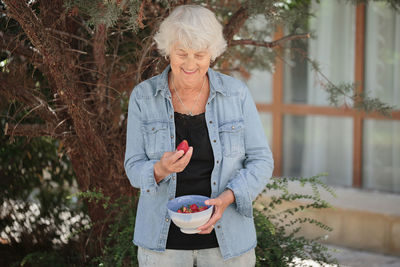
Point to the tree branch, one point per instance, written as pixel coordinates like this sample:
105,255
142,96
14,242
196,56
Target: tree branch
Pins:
11,43
270,44
70,35
12,90
235,23
33,130
99,53
61,67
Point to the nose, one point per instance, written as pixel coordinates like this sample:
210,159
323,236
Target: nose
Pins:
190,64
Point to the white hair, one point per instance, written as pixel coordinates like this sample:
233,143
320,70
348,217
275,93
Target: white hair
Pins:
191,26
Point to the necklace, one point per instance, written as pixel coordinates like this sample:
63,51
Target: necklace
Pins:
190,113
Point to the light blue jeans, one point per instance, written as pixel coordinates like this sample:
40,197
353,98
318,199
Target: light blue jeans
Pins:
211,257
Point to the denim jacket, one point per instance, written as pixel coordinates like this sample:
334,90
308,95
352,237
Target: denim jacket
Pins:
243,160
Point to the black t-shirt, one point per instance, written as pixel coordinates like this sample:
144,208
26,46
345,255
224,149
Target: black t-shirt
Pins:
195,179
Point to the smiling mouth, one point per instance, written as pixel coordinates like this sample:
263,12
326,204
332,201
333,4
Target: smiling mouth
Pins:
189,72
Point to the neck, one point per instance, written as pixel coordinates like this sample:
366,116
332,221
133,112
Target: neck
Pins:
187,87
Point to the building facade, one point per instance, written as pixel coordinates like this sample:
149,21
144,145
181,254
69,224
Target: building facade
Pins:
353,44
360,152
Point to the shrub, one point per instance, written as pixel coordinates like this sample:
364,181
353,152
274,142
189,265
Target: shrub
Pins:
277,231
279,242
278,237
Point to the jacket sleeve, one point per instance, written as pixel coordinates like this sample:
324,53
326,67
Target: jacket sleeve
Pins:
258,165
138,167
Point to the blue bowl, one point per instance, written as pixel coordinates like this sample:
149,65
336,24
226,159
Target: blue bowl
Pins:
188,222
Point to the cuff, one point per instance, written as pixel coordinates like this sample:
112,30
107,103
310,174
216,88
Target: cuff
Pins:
149,184
242,198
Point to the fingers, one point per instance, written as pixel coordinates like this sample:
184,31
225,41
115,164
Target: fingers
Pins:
218,210
176,161
180,164
213,201
176,155
220,204
184,161
207,231
209,226
212,221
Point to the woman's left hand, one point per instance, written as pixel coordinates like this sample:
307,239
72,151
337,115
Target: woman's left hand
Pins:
220,204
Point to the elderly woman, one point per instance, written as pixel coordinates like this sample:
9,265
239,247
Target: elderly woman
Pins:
229,159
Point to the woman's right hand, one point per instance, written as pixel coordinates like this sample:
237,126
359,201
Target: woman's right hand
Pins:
171,162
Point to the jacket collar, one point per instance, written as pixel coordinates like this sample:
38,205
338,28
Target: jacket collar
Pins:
215,83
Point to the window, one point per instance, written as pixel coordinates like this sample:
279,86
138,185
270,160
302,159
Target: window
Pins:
354,44
381,147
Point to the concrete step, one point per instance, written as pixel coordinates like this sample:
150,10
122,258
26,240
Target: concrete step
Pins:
361,220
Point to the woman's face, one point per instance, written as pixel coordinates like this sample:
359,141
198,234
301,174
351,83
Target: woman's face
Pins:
189,66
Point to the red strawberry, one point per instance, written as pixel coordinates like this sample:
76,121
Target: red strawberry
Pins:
194,208
183,146
202,208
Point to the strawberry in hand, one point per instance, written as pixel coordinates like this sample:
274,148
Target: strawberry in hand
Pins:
184,145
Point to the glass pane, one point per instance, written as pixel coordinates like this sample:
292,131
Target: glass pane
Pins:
260,85
266,119
381,155
382,70
332,48
316,144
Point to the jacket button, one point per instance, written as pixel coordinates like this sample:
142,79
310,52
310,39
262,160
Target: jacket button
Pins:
218,226
172,137
214,141
233,127
167,220
210,122
153,129
171,116
217,161
147,190
214,183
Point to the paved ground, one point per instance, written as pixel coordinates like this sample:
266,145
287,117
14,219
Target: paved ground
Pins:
357,258
353,258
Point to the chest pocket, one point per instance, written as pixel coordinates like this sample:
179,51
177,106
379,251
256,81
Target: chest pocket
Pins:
231,135
155,138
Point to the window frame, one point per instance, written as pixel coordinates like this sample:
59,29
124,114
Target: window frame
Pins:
278,109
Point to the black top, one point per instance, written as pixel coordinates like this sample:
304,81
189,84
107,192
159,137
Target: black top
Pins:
195,179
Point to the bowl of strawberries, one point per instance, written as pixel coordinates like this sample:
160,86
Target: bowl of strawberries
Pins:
189,212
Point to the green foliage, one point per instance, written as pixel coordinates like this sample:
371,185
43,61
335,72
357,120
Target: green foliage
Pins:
278,237
343,93
43,259
119,249
279,241
36,178
106,12
369,104
93,196
278,230
347,94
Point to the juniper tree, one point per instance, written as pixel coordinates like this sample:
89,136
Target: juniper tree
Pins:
67,67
